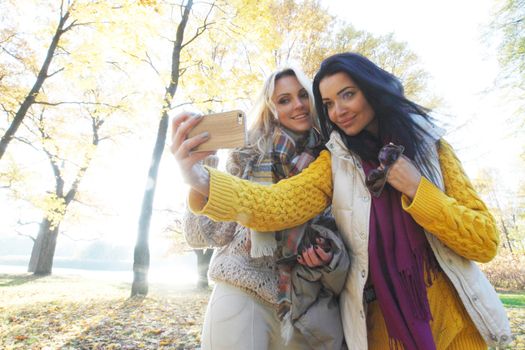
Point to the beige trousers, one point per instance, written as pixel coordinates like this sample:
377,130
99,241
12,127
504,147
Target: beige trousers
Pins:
237,320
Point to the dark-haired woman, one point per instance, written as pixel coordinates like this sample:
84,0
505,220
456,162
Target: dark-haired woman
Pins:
410,218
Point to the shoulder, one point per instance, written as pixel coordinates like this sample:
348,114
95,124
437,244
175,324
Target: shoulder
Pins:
324,156
448,158
323,163
445,149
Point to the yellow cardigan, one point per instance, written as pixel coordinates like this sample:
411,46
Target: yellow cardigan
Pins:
457,217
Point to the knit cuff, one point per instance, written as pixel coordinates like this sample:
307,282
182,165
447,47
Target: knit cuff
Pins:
427,203
221,197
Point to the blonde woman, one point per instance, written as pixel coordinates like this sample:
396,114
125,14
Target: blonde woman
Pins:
254,304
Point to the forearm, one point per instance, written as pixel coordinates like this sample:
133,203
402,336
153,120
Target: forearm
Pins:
288,203
458,217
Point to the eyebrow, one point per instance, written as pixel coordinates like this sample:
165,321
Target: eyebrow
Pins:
341,91
289,93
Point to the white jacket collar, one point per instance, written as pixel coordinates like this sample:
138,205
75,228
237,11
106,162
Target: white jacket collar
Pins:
337,147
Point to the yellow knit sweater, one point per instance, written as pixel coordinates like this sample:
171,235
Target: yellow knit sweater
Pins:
457,217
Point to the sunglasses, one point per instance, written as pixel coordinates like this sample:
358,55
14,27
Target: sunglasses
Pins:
376,179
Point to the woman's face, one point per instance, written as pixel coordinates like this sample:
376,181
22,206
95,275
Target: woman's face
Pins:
292,103
346,105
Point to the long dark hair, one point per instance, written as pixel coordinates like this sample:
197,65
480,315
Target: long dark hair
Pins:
384,93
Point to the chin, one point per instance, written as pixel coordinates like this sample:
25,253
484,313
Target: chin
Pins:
350,131
300,128
303,129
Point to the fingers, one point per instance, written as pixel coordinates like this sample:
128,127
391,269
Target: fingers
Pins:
325,257
183,150
404,176
179,119
311,258
314,257
181,126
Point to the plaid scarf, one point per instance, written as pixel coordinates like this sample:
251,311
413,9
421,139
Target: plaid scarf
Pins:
289,159
288,154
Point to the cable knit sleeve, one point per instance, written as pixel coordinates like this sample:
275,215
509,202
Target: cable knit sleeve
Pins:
458,217
288,203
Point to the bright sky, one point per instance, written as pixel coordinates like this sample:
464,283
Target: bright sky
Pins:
447,36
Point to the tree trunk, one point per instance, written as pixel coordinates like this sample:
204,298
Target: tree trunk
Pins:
41,262
203,264
506,232
141,254
30,98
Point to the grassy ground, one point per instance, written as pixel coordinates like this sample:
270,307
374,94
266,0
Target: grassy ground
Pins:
513,299
69,312
515,304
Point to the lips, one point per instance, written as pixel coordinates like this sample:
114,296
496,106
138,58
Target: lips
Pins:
300,117
347,122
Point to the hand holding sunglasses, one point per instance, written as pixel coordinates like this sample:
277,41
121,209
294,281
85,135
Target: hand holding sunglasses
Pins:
376,179
395,168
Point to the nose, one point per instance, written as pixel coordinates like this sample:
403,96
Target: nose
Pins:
338,108
299,103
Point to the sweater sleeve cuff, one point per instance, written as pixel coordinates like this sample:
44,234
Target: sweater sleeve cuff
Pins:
221,197
427,203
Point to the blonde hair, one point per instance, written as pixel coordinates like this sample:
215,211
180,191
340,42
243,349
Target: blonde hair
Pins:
264,112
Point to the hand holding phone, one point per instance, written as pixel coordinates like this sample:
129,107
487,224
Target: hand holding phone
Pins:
226,130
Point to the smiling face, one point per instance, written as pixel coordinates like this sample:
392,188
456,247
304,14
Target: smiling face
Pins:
346,105
292,104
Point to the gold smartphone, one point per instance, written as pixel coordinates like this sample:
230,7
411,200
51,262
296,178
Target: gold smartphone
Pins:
226,129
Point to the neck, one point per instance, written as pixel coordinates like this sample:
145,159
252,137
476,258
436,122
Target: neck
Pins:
373,127
296,136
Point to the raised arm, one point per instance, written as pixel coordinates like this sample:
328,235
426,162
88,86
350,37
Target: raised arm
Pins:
288,203
458,217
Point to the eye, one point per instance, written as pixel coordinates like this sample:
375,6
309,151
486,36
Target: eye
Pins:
328,105
283,101
347,94
303,95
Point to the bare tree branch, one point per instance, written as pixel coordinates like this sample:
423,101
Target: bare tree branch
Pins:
45,103
59,47
24,223
8,38
56,72
25,235
183,70
26,142
150,62
202,28
196,102
117,66
11,54
11,113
